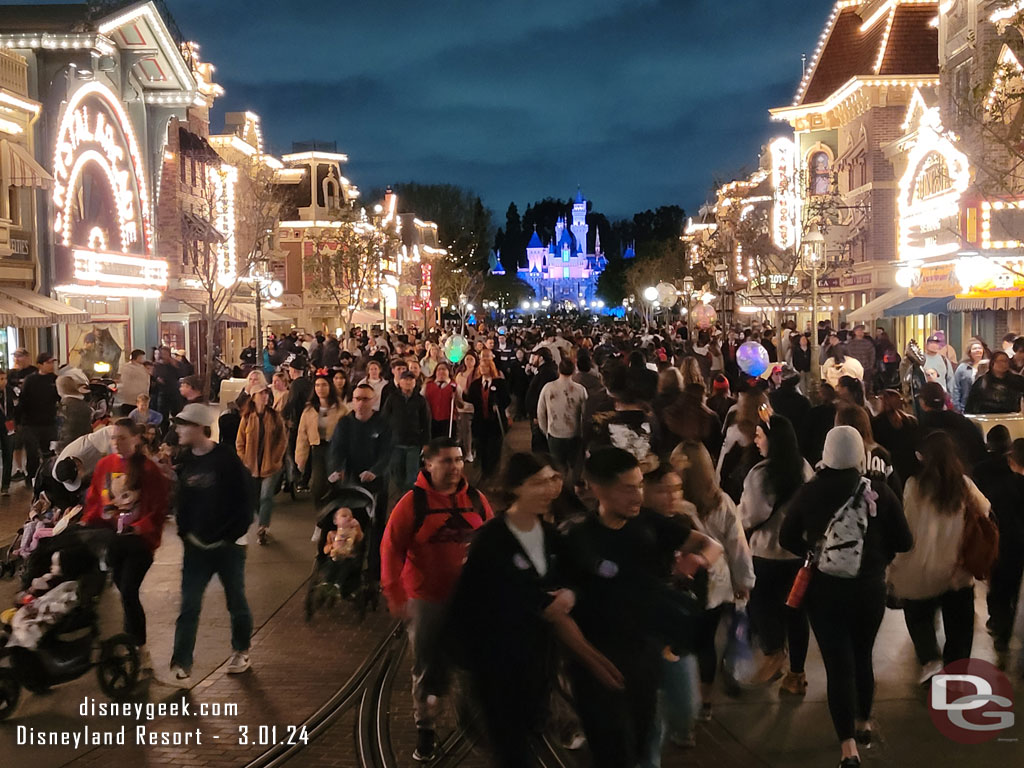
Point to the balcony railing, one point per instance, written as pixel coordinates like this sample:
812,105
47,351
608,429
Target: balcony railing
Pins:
13,73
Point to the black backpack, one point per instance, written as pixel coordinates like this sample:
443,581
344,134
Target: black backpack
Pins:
421,508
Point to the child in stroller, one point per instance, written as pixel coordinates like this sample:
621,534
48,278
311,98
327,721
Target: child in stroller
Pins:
52,635
340,564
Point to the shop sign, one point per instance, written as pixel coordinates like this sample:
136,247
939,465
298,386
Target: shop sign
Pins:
785,207
936,282
20,246
101,205
1003,278
936,178
828,282
852,280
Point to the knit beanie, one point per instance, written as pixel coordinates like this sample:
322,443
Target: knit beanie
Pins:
844,449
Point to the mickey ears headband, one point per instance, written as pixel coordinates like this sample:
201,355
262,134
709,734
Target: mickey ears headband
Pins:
322,372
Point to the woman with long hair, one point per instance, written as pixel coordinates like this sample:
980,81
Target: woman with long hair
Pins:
877,460
691,373
339,378
261,444
975,356
488,394
279,387
270,358
316,425
731,577
897,431
766,492
129,495
929,577
464,377
443,399
845,599
738,454
508,609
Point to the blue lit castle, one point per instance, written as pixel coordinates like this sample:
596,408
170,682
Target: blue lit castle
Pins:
562,270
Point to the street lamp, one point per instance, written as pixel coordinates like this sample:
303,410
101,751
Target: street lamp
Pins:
688,292
813,251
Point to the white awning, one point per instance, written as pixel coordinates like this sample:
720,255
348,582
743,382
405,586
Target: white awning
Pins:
247,312
874,309
55,311
19,169
994,302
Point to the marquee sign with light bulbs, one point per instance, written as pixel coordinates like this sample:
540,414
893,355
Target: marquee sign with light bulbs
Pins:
101,219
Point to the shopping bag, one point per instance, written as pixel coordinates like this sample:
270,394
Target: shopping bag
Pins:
738,660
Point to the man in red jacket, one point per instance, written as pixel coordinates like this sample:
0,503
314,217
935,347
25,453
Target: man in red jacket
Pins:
422,553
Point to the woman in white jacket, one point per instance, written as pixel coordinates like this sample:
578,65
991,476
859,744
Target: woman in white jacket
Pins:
729,578
928,577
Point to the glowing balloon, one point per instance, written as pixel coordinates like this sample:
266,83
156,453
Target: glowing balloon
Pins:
455,348
752,358
704,315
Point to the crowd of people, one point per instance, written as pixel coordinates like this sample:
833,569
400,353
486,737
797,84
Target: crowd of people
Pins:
666,493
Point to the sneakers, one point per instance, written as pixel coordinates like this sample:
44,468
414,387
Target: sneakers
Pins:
262,535
180,675
929,670
426,746
849,762
574,740
705,712
795,683
684,740
238,663
5,491
864,737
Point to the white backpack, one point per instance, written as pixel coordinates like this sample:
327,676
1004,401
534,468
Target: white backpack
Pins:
842,547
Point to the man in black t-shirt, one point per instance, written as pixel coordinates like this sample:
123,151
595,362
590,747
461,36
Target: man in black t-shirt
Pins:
624,607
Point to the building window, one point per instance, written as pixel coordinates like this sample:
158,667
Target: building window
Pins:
181,166
565,271
14,206
821,174
193,163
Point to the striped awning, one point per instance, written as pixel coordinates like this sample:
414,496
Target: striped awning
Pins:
55,311
247,312
996,302
19,169
19,316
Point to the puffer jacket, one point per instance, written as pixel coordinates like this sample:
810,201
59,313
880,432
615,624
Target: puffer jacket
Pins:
735,571
271,429
309,430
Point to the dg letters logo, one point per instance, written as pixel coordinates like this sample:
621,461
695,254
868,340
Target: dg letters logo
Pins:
971,701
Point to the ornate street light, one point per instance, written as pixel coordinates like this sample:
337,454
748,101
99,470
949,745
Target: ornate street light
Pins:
813,255
722,274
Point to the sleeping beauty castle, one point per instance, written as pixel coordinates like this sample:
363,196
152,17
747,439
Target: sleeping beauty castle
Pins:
563,271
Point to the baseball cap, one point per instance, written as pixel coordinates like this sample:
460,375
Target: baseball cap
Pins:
196,414
407,375
196,382
43,357
933,395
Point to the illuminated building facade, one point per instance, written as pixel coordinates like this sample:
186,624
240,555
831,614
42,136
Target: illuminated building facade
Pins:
847,113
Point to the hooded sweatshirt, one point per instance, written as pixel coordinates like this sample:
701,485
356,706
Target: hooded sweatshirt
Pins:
425,564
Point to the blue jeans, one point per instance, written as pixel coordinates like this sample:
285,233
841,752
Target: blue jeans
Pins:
197,568
405,465
677,705
263,494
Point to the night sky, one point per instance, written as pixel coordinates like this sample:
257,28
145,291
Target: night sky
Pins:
642,102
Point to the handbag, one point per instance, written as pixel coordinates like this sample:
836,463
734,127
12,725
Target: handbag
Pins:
979,544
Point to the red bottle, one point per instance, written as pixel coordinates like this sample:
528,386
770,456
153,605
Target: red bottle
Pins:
800,584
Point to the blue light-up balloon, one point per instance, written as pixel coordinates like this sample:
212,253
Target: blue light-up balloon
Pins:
752,358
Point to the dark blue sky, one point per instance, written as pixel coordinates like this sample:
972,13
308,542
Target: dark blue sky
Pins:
642,102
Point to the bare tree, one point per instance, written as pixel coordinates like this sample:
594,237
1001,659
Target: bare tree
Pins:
344,266
225,237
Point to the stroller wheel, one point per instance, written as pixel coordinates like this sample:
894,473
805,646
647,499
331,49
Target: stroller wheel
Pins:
119,667
10,692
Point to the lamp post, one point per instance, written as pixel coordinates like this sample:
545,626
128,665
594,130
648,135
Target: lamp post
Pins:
651,296
688,292
722,281
813,252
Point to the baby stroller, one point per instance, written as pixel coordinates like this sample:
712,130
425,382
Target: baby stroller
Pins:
333,580
41,519
71,645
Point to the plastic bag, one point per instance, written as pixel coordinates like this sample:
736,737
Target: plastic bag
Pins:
738,660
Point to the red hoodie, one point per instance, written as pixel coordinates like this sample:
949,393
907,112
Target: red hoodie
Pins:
150,512
425,564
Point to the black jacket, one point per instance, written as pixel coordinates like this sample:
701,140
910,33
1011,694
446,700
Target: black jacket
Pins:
213,496
814,504
546,373
408,418
497,606
497,402
360,446
992,395
38,403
